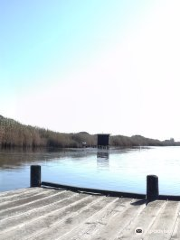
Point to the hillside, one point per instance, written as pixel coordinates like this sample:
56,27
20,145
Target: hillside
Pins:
15,134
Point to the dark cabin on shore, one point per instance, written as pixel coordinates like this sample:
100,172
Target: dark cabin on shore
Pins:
103,140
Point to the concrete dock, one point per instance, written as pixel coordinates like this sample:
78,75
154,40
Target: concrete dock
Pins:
46,213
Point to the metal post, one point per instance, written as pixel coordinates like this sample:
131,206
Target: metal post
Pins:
35,176
152,191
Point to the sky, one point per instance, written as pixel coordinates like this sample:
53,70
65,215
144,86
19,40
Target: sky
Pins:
100,66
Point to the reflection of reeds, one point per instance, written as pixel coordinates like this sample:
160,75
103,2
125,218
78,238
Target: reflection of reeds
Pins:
14,158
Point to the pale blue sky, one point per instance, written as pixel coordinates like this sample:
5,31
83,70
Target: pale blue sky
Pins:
92,65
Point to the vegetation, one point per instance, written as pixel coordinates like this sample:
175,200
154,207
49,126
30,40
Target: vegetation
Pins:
138,140
14,134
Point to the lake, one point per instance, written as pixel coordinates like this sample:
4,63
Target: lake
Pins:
113,169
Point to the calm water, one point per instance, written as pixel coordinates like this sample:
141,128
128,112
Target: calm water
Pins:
114,169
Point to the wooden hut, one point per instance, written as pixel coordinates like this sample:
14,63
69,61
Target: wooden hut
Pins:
103,140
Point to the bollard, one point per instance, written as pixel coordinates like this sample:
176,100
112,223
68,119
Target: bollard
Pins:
35,176
152,191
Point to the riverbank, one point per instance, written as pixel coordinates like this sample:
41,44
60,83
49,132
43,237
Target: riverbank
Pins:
14,134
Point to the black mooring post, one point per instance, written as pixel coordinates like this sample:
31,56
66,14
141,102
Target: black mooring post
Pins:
35,176
152,191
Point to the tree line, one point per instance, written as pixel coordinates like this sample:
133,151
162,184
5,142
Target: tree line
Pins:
15,134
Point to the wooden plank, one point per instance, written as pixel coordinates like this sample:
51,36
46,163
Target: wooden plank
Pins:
28,193
145,219
94,223
163,227
37,213
18,192
43,207
9,212
118,222
24,199
9,206
25,230
65,224
176,231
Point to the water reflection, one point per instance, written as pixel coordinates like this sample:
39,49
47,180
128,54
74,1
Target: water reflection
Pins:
17,158
103,154
103,158
113,169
